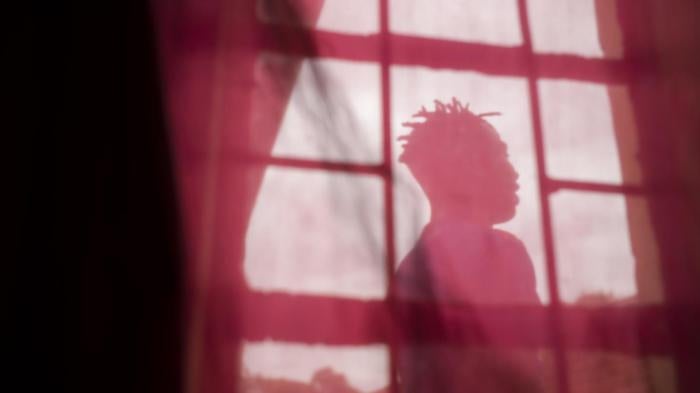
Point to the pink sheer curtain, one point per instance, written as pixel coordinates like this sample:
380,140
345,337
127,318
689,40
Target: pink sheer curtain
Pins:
435,195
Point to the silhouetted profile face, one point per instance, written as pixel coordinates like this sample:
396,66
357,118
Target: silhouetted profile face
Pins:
461,163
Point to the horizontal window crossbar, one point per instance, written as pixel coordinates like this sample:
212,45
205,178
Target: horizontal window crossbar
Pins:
636,329
253,159
445,54
554,185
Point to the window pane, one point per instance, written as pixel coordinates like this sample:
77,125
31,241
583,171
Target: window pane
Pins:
357,16
313,231
582,124
489,22
333,113
354,17
581,27
300,367
595,261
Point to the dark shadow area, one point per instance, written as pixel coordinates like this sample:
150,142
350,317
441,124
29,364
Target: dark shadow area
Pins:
116,224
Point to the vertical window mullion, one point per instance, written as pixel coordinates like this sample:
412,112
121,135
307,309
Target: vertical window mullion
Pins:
388,178
554,308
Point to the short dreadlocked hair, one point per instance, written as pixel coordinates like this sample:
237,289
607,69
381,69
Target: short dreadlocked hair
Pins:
454,107
452,127
456,155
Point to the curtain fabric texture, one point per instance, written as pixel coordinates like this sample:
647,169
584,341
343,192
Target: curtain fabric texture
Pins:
423,196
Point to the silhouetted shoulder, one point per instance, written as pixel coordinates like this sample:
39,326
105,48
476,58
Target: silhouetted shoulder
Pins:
458,261
518,266
512,242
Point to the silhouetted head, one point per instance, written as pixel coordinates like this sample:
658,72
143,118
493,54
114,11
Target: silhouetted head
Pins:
461,162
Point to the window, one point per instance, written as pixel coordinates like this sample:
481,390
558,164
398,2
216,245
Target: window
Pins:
570,134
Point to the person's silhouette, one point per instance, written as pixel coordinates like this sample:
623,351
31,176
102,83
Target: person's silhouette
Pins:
462,165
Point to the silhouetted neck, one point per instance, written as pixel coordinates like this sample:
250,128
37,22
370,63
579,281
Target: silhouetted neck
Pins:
460,213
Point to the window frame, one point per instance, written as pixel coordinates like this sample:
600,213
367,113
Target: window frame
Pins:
389,49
